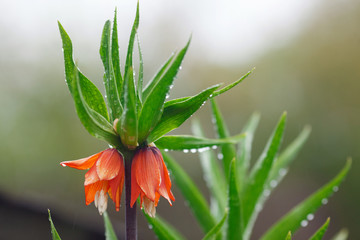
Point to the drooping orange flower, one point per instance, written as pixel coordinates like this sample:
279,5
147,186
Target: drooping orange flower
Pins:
106,175
149,179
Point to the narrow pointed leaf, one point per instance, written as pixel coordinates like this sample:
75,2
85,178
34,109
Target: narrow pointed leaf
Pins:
191,193
128,127
175,113
54,233
214,177
91,94
153,105
183,142
162,229
110,82
128,124
115,57
227,150
292,220
109,230
341,235
245,145
321,231
230,86
259,175
289,154
288,236
154,81
212,234
234,223
141,71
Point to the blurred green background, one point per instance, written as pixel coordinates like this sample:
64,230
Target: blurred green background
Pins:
307,59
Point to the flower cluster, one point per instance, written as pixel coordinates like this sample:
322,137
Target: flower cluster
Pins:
149,178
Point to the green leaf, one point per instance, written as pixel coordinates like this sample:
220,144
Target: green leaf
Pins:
191,193
244,152
153,105
109,230
216,229
128,124
110,82
288,155
227,150
91,94
115,56
177,112
54,233
141,71
191,143
234,223
341,235
288,236
258,176
213,176
321,231
230,86
162,229
154,81
292,220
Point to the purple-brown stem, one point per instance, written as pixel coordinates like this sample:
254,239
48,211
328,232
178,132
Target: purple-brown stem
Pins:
130,212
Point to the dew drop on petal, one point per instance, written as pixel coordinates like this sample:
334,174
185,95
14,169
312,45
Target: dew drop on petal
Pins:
310,216
304,223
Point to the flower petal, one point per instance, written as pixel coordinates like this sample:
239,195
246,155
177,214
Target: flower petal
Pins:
108,165
91,176
147,172
116,187
165,184
91,189
82,164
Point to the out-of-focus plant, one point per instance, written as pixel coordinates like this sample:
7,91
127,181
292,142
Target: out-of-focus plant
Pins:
133,121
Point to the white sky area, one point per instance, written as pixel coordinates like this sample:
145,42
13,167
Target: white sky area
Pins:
223,30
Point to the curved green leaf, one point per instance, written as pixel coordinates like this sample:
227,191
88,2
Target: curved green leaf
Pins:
191,143
321,231
259,175
91,94
216,229
214,177
227,150
153,105
191,193
162,229
115,57
109,230
54,233
110,82
230,86
234,223
292,220
175,113
244,152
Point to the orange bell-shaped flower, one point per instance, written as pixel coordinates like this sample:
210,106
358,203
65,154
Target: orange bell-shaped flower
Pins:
106,175
149,179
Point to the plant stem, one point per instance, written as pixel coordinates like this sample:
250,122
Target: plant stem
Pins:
130,213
